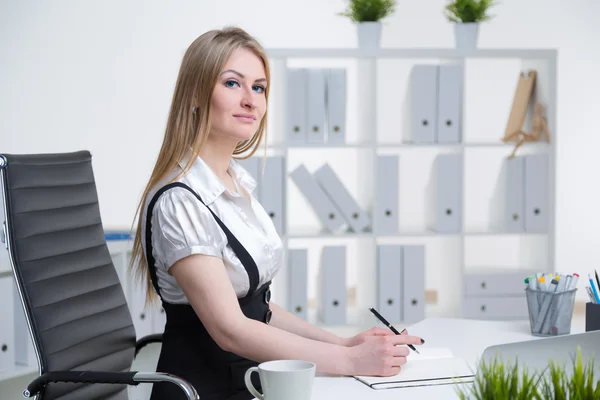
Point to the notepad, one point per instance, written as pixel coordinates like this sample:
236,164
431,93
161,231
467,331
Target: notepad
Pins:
434,366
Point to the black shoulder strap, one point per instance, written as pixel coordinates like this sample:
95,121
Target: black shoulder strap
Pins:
240,251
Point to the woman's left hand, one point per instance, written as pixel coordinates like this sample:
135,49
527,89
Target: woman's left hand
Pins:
362,337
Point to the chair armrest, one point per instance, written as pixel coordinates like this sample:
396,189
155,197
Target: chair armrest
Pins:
127,378
155,338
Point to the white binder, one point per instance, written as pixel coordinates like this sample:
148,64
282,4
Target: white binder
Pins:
385,219
253,166
271,191
298,282
296,99
536,192
332,285
314,194
413,269
449,103
423,100
7,334
358,219
445,194
389,282
336,106
316,106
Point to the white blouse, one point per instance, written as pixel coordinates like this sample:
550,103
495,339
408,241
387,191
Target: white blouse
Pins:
182,226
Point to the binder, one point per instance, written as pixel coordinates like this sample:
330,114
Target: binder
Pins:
24,351
252,165
271,191
356,218
314,194
298,282
296,99
316,106
514,209
385,219
389,282
423,101
413,279
449,103
332,285
536,192
446,215
336,105
7,334
142,316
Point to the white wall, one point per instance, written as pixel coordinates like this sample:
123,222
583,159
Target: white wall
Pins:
99,76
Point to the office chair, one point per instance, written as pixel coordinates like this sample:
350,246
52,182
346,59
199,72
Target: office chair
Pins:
76,311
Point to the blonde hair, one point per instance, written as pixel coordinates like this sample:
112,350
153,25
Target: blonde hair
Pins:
188,124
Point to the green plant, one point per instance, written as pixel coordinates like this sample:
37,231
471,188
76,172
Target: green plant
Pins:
498,380
501,381
369,10
580,385
466,11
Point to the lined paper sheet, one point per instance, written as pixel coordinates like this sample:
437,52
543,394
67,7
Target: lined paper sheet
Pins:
434,366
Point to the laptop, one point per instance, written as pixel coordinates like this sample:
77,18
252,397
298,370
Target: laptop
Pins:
535,355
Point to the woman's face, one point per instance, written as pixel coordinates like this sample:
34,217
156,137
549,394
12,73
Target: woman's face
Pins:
238,102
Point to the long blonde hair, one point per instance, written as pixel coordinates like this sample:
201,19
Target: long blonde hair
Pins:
188,124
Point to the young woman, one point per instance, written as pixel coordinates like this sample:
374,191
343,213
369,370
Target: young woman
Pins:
208,249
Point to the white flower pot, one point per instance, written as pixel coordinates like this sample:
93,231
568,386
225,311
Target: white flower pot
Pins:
369,35
465,35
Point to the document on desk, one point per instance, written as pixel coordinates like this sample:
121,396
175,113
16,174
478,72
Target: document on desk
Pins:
434,366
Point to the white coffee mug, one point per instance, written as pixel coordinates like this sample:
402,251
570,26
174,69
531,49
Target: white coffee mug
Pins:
283,380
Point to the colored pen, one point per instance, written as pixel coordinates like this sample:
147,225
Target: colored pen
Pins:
380,317
597,279
594,289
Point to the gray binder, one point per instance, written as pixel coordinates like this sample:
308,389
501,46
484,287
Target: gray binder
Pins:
514,200
8,299
413,266
385,219
336,106
253,166
536,192
314,194
446,215
271,190
423,101
357,219
298,282
296,100
316,106
332,285
389,282
449,103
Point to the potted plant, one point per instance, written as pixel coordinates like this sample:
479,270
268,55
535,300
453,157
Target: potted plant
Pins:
499,380
367,14
466,16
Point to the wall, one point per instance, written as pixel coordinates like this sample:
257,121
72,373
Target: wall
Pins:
99,76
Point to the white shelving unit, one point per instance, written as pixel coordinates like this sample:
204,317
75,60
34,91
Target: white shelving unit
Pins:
377,84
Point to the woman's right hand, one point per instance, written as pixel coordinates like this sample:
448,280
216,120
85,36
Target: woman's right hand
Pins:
381,355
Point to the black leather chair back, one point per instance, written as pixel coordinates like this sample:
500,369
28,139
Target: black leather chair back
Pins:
72,295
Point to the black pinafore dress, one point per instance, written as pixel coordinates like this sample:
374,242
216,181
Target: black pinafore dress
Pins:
188,351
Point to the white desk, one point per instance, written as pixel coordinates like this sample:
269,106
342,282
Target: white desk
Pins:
465,338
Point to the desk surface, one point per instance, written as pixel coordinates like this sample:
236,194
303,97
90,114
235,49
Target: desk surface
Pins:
465,338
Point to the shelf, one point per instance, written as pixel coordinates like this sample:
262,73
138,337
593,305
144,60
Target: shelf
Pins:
443,53
312,234
341,146
500,233
404,145
18,371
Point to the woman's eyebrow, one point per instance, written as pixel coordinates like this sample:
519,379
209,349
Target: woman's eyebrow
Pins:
242,75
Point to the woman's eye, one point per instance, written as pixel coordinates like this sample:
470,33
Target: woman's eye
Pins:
258,88
231,83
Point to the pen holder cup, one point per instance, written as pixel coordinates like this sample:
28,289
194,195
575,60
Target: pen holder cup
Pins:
550,313
592,317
